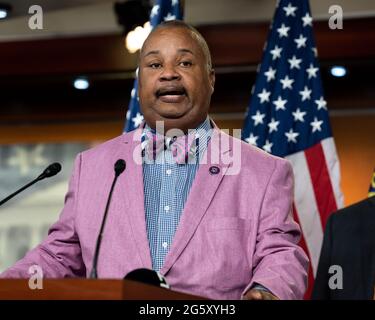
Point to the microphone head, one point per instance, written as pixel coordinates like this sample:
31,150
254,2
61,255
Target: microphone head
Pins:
51,170
147,276
120,166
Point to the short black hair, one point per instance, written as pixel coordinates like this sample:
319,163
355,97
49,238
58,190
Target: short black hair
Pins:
197,35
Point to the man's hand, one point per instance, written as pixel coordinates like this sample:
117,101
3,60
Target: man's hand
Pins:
255,294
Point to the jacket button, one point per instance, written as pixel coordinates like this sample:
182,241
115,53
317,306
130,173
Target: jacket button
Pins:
214,170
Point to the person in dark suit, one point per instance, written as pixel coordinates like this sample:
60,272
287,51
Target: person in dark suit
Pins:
349,244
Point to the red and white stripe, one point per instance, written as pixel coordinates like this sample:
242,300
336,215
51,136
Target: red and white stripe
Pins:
316,193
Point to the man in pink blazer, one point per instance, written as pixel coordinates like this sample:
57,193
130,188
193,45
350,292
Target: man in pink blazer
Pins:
236,237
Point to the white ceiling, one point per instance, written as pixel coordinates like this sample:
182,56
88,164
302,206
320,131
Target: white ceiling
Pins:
82,17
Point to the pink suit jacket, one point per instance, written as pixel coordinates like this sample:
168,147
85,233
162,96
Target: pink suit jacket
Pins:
235,230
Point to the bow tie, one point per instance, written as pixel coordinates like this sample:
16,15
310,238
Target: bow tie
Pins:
181,147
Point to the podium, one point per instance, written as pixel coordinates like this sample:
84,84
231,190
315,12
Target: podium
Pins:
87,289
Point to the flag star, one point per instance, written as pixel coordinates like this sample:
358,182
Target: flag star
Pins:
174,2
128,113
315,51
280,103
264,96
305,93
169,17
294,62
270,74
290,10
267,147
276,52
316,124
307,20
155,10
286,82
283,31
133,92
312,71
298,115
301,41
258,118
137,120
273,125
291,135
252,139
322,104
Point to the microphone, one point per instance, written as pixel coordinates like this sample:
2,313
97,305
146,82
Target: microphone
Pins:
50,171
148,276
119,168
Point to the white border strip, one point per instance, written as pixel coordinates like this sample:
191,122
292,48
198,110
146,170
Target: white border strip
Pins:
307,209
333,167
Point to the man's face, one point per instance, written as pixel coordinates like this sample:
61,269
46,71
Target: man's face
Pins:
175,85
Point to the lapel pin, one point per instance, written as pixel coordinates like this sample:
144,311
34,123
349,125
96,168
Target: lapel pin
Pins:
214,170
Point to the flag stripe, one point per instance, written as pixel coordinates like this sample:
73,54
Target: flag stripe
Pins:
333,169
306,207
321,182
302,243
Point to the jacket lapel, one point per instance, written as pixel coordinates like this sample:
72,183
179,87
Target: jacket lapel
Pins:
132,186
201,194
366,221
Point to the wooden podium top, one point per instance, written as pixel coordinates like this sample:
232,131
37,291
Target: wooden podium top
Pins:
87,289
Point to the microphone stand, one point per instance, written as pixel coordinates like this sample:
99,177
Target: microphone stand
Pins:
119,168
50,171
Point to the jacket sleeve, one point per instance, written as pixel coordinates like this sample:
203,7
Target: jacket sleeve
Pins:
321,290
279,263
59,255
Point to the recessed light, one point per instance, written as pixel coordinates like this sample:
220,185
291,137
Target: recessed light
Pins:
4,10
338,71
81,83
3,14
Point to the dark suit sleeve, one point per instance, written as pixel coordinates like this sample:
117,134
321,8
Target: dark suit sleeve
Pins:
321,290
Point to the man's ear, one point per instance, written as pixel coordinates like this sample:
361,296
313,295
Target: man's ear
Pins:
212,80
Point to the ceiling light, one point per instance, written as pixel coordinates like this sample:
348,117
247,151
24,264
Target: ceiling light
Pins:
81,84
4,10
338,71
3,14
136,37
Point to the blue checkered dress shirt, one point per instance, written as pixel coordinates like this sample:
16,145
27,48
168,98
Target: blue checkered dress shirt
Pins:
166,188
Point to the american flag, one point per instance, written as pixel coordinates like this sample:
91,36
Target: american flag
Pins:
288,117
163,10
371,190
